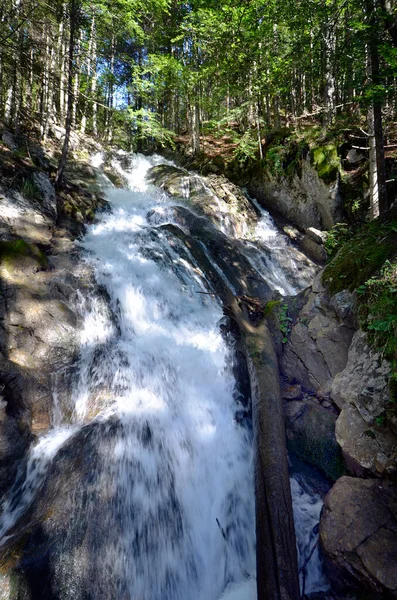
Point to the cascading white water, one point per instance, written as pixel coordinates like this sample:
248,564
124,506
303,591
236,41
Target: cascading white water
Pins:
178,474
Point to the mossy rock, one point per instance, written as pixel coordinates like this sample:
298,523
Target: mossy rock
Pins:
326,162
13,254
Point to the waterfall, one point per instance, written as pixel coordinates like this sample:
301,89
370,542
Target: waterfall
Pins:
168,511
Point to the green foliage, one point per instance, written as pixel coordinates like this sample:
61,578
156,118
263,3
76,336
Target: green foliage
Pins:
378,309
274,159
247,149
30,190
284,322
336,237
147,127
270,306
362,257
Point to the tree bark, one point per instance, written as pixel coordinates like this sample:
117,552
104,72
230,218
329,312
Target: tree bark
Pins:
277,566
73,21
378,192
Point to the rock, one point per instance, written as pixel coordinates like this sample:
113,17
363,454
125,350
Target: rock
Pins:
358,535
316,235
318,345
214,196
291,392
9,141
311,436
47,193
292,233
306,200
343,304
364,381
354,158
38,156
368,451
315,250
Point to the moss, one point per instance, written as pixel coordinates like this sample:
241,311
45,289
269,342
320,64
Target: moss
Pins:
11,251
326,161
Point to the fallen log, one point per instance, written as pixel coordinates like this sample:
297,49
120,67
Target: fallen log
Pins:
277,566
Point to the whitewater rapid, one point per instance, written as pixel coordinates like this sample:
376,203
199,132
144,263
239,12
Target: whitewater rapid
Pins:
180,472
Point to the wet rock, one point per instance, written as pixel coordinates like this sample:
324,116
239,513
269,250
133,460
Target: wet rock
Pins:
311,436
47,193
358,534
364,381
368,451
214,197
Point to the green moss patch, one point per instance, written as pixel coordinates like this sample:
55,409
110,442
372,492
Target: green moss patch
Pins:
326,161
11,251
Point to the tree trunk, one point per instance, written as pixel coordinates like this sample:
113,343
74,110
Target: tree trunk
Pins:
329,78
277,567
91,74
378,193
73,21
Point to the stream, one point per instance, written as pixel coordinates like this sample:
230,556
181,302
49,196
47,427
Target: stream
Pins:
165,508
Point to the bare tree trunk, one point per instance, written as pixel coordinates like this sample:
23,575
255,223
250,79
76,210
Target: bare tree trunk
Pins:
91,73
329,78
73,21
378,192
111,91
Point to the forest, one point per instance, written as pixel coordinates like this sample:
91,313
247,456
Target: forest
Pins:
140,74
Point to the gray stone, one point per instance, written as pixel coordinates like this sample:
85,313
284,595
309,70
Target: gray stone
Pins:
342,303
9,141
306,201
354,157
47,192
315,250
316,235
318,345
368,451
214,197
364,381
358,535
291,392
311,436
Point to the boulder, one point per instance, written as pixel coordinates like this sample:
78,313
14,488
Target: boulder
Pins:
311,436
214,196
314,249
364,381
316,235
358,535
305,199
368,451
321,333
9,141
47,193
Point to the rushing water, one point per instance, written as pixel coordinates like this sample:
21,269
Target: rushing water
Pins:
178,520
